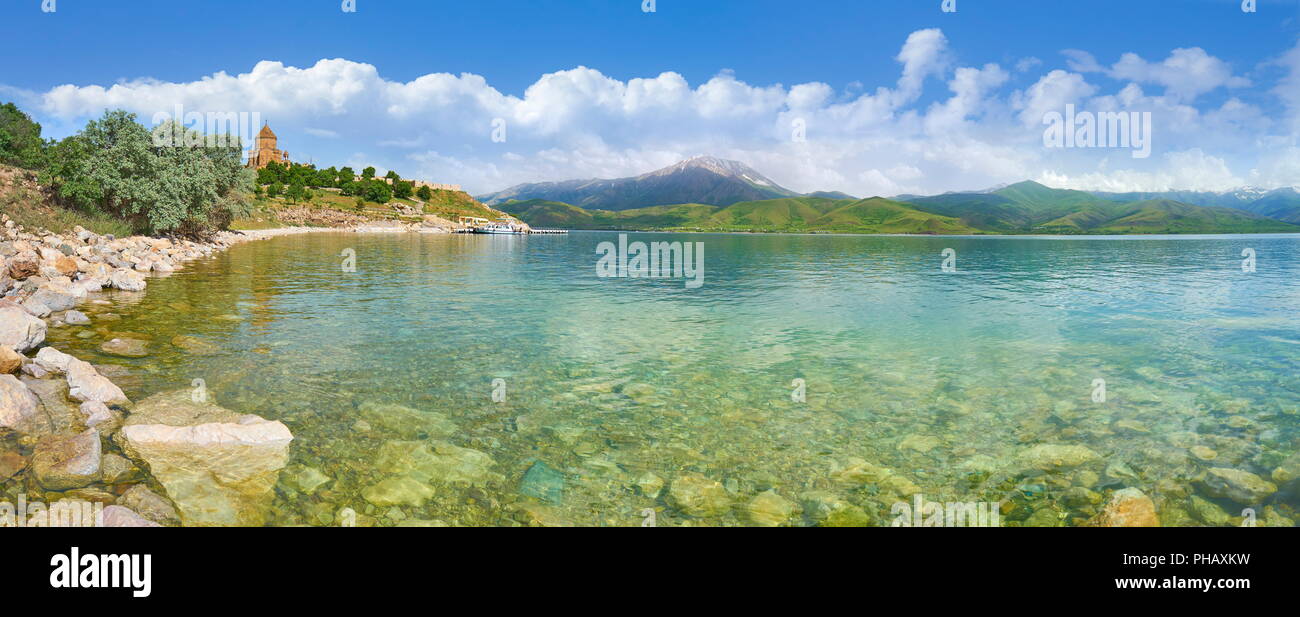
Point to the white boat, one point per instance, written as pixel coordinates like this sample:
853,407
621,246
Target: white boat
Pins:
497,228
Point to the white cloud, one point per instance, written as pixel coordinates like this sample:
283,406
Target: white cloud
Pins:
1186,74
895,138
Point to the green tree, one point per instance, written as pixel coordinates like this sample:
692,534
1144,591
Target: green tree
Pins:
402,189
424,193
368,173
277,172
20,138
274,189
361,204
379,192
392,175
266,176
297,190
346,175
170,180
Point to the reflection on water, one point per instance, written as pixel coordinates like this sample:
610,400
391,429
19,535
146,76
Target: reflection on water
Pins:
616,389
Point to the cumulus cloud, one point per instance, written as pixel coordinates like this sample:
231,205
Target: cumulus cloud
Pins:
1186,74
908,136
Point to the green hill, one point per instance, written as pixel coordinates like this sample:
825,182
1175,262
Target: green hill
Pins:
789,215
1167,216
1029,207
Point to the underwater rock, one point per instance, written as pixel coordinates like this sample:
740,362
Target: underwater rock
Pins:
398,491
75,318
920,443
125,348
442,463
405,421
118,516
114,469
10,464
828,510
150,505
698,496
1204,453
63,462
543,482
195,345
768,509
306,480
1208,512
1240,486
1288,471
649,485
539,515
218,466
18,405
1129,507
1048,457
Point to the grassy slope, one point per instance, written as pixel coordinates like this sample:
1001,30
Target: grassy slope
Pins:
1029,207
791,214
29,207
1167,216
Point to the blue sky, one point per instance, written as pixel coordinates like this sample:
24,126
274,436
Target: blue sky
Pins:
983,77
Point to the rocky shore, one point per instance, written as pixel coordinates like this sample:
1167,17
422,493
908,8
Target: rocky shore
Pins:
71,440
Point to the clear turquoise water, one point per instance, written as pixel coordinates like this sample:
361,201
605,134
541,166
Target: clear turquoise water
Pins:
609,379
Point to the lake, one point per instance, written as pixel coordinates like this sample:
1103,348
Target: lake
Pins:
481,380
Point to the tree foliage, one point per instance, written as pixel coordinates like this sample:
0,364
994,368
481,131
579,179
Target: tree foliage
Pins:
170,180
20,138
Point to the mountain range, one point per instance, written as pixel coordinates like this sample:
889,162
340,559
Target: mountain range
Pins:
702,179
710,194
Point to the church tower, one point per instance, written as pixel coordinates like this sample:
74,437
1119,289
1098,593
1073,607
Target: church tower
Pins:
266,151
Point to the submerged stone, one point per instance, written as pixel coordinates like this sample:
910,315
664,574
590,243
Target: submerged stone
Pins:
1129,507
125,347
438,463
1240,486
398,491
769,509
218,466
699,496
1047,457
543,482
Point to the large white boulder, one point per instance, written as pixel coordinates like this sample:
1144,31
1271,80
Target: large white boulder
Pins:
86,384
20,330
219,467
19,407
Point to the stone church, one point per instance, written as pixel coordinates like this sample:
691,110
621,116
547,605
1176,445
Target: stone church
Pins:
265,152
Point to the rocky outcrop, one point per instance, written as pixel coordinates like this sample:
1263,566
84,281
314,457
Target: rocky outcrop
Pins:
10,360
218,466
18,405
19,330
85,384
118,516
